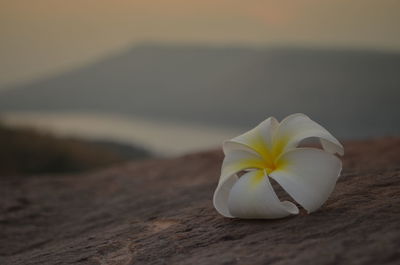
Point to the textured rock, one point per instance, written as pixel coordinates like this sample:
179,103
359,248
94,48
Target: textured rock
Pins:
160,212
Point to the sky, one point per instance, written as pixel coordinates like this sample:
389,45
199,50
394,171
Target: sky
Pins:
43,37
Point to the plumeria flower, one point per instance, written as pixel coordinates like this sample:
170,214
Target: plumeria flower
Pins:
271,150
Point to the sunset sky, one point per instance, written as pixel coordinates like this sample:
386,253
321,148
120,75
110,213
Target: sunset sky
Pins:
44,37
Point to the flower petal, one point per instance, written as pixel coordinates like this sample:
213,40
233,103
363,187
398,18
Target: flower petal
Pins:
234,162
257,140
308,175
252,196
221,195
238,160
298,127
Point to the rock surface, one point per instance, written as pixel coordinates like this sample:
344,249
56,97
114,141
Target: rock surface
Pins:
160,212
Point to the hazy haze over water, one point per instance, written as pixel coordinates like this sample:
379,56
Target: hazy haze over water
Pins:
162,138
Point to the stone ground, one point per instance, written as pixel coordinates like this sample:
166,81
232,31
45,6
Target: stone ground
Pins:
160,212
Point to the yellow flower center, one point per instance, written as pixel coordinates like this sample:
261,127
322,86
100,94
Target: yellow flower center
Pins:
269,153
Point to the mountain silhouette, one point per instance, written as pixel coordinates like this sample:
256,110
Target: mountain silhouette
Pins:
356,93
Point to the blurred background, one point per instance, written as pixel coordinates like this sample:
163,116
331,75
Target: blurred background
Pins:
88,83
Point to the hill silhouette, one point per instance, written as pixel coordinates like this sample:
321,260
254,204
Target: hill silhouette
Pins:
354,92
25,152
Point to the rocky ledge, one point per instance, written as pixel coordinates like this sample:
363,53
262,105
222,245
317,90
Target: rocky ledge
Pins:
160,212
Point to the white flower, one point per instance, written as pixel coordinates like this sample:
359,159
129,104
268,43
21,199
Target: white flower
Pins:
270,150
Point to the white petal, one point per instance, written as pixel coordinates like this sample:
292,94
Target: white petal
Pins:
257,140
238,160
298,127
252,196
234,162
308,175
221,195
